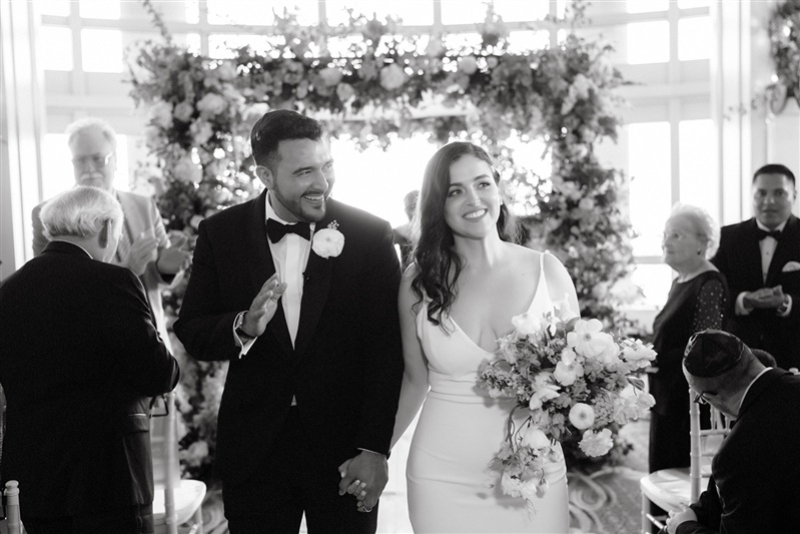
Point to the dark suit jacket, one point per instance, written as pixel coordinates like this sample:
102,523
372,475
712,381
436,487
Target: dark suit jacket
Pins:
756,470
141,215
739,259
79,356
346,368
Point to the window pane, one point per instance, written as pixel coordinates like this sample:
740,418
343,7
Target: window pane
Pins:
192,11
415,13
59,8
101,50
522,41
463,11
55,48
458,40
99,9
687,4
694,38
646,6
222,45
240,12
655,281
57,173
522,10
401,167
648,42
699,182
650,186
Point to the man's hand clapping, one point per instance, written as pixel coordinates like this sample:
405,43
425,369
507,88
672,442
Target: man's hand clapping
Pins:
263,307
176,257
765,298
143,251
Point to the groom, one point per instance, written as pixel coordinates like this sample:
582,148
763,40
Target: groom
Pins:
299,293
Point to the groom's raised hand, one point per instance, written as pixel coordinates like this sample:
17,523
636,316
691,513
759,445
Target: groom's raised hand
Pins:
365,477
263,307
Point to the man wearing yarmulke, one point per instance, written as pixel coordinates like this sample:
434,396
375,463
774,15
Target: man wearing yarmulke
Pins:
754,475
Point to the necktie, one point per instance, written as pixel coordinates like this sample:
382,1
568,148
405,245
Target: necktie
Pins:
276,230
763,234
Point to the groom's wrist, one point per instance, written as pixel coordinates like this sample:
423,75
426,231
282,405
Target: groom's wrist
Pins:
373,452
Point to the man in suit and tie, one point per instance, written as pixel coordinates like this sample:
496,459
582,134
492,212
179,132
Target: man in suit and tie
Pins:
299,293
753,485
144,247
760,259
79,358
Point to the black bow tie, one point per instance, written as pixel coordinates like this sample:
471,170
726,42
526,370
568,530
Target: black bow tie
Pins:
762,234
276,230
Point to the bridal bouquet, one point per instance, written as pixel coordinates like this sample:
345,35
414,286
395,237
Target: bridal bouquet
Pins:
568,376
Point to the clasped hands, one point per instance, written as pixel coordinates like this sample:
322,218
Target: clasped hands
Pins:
765,298
169,260
364,477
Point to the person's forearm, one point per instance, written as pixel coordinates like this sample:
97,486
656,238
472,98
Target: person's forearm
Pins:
412,395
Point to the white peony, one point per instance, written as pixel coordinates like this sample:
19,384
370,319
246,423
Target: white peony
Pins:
581,416
330,76
327,243
187,171
183,111
392,77
588,340
211,104
226,71
468,65
201,132
596,444
161,114
345,92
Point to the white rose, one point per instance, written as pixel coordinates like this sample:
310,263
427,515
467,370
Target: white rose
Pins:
187,171
345,92
201,132
183,111
535,438
581,416
226,71
596,444
161,114
327,243
211,104
392,77
330,76
468,65
526,324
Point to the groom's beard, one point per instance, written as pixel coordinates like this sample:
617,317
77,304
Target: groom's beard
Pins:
301,208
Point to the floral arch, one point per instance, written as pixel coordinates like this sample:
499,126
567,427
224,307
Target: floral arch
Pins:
383,85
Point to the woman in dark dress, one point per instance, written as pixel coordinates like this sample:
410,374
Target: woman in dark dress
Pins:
697,301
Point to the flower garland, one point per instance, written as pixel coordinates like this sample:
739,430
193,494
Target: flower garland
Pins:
200,112
784,36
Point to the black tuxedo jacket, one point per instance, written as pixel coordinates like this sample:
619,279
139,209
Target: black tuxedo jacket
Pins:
739,259
79,357
756,471
346,367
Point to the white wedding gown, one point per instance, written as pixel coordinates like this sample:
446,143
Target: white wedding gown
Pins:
450,488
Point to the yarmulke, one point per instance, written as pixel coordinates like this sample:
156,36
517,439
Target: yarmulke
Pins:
712,353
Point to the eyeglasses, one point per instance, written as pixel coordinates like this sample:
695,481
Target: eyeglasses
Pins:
98,161
700,397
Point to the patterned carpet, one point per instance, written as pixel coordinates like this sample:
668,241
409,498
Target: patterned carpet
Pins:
605,502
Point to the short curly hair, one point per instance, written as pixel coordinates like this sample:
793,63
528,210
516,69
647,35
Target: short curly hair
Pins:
705,226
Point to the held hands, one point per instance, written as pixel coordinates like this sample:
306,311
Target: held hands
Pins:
765,298
365,477
143,251
176,257
263,307
675,520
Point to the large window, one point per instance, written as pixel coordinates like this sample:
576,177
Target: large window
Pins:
662,46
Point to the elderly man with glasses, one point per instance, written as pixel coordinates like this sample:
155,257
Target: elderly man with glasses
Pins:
144,247
753,485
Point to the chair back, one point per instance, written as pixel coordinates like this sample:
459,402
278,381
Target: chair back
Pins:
12,524
704,443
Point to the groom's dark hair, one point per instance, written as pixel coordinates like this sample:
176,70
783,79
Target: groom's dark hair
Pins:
276,126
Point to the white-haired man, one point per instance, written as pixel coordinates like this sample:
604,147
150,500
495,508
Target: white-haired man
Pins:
144,247
80,359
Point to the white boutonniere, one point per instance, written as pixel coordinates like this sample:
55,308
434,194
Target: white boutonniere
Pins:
328,242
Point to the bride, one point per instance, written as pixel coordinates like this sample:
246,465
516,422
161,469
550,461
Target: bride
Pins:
467,282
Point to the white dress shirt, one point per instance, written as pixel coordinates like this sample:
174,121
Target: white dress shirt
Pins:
767,247
290,256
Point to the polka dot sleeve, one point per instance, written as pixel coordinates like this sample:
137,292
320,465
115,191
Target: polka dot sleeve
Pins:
710,306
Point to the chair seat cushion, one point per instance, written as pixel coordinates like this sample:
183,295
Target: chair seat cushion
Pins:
189,496
669,488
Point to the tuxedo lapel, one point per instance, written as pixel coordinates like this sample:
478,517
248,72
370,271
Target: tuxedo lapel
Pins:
783,251
316,283
262,266
751,255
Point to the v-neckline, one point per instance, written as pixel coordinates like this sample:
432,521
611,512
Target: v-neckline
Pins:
459,329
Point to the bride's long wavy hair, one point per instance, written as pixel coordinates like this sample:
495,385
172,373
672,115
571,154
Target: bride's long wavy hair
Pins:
438,265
